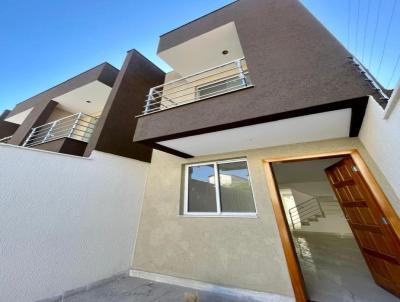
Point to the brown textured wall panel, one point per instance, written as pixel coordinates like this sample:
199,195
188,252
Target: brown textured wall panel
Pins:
6,128
38,116
64,145
116,127
294,63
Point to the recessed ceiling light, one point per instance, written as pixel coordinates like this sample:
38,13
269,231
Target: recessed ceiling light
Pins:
88,102
225,52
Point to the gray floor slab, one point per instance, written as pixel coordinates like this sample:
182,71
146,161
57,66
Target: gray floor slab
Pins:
334,270
129,289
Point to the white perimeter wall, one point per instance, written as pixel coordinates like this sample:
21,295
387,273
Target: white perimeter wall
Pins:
65,221
381,138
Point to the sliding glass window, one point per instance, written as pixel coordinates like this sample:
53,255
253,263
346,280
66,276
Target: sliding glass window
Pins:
218,188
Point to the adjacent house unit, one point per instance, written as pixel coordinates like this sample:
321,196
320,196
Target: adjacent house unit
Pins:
91,111
271,155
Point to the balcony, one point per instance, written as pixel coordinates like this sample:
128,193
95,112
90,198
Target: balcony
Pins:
78,127
208,83
5,140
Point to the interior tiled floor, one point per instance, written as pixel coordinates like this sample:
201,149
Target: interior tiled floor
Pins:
334,270
130,289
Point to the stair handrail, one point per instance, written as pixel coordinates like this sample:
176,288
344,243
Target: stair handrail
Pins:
308,206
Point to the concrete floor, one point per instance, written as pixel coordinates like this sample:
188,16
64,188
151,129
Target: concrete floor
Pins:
129,289
334,270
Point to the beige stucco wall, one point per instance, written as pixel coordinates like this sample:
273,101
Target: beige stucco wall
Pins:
236,252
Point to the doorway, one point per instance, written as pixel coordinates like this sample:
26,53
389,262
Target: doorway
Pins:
337,228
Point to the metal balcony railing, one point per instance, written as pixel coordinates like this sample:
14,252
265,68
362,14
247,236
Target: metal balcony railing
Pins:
5,140
78,126
208,83
369,78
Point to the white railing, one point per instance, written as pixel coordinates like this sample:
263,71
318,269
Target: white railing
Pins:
5,140
208,83
369,78
78,126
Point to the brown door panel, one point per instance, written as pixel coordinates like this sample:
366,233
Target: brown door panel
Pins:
374,235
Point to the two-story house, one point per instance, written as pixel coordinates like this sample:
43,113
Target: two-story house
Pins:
271,162
255,85
91,111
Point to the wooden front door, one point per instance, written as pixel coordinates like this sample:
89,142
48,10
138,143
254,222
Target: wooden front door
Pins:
374,234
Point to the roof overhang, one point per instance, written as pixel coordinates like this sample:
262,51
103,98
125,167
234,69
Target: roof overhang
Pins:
90,85
197,26
19,117
204,51
307,128
90,98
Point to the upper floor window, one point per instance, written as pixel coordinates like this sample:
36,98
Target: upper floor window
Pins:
218,188
223,86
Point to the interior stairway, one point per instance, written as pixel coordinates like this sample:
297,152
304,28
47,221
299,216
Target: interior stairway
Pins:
312,211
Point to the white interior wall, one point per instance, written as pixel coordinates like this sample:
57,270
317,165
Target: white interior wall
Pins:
381,138
66,221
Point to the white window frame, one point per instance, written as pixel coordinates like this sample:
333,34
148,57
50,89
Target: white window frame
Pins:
217,81
218,213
